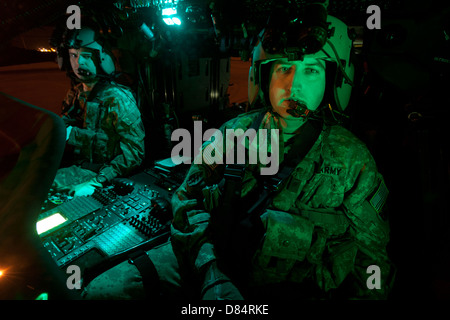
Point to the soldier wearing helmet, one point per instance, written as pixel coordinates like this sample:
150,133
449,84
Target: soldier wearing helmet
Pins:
326,224
105,134
320,223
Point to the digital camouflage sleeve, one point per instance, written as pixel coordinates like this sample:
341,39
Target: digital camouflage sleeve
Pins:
108,129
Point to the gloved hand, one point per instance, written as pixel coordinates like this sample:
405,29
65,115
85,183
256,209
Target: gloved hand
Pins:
85,188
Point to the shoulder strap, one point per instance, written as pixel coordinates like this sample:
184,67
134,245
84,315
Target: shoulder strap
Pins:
226,214
99,86
224,217
150,278
303,143
234,173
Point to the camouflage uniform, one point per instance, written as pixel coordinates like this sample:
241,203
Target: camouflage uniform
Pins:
323,227
107,135
325,224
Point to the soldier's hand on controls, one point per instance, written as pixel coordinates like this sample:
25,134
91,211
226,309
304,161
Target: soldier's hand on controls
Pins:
85,188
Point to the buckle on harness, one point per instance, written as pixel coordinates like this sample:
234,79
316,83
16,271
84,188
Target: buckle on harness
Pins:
276,182
273,184
234,171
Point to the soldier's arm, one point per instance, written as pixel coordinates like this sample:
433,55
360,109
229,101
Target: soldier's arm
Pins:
196,198
364,205
191,219
194,201
68,108
131,131
127,125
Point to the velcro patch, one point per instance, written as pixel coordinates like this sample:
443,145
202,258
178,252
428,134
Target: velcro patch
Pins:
379,198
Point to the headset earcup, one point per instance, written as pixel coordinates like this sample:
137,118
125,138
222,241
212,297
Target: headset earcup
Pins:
344,91
252,87
107,63
60,61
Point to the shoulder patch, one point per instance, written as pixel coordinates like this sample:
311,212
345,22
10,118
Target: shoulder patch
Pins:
379,197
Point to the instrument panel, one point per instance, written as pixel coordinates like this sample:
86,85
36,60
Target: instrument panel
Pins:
92,230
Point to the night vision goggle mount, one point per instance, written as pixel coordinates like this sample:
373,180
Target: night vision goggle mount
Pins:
296,31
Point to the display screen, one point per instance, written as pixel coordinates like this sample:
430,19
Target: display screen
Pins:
49,223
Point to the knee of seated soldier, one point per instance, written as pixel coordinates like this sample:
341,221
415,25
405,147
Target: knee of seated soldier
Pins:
122,282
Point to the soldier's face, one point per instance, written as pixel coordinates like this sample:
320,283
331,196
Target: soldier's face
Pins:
83,64
299,81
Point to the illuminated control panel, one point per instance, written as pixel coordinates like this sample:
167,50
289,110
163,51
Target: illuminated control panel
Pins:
89,229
